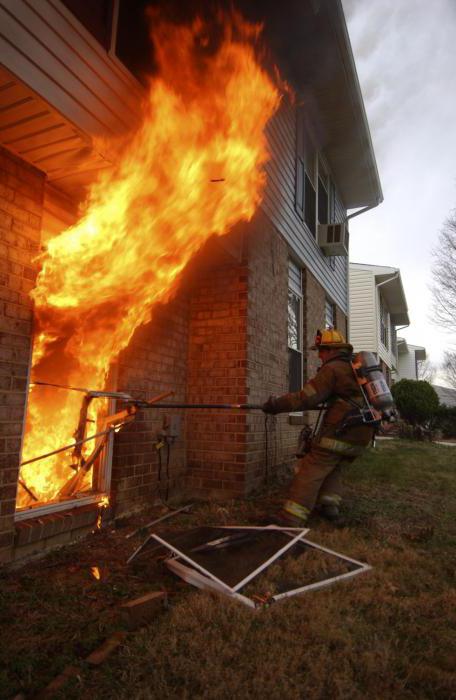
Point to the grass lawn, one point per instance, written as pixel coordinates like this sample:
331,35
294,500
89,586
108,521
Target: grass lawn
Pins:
388,633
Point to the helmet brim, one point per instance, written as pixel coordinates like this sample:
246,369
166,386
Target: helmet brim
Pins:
333,346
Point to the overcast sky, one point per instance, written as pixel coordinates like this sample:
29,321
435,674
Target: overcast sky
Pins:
405,53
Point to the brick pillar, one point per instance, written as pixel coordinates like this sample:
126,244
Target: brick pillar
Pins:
21,198
154,362
216,374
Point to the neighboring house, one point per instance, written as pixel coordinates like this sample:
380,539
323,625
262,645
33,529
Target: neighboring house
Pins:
377,308
446,396
409,356
240,327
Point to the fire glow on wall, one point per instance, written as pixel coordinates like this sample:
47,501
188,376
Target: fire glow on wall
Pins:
192,170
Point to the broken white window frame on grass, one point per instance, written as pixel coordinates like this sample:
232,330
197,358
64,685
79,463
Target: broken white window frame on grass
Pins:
198,576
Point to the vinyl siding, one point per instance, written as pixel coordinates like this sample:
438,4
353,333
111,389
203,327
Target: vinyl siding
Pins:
407,365
363,331
63,63
279,205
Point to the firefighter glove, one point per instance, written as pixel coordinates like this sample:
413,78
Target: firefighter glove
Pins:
271,406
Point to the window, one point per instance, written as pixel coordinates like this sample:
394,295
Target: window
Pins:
133,45
383,323
330,314
393,336
294,327
299,192
96,16
305,185
323,201
310,195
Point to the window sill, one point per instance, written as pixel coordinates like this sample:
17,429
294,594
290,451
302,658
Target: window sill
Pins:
296,418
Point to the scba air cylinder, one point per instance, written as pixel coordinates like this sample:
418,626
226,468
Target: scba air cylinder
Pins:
371,378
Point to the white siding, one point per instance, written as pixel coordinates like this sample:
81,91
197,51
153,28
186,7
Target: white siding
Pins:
407,365
363,331
45,46
279,205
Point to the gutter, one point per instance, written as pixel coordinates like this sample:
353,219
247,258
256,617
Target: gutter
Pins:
394,277
362,211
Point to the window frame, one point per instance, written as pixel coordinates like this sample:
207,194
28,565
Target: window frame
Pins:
295,290
330,305
383,318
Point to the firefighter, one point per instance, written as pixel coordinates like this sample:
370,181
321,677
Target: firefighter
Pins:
338,440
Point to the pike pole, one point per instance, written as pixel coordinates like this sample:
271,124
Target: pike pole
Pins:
223,406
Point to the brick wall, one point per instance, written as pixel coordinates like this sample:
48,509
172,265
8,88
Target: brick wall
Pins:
271,441
217,367
21,197
154,362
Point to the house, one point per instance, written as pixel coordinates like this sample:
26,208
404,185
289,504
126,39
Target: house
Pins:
447,396
239,325
408,358
377,308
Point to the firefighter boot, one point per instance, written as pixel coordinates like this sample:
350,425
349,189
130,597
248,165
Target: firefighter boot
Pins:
292,514
331,513
329,507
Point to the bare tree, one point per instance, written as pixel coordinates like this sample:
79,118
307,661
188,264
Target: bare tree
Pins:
444,274
426,371
449,368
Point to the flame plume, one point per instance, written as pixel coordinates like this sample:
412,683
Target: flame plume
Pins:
204,120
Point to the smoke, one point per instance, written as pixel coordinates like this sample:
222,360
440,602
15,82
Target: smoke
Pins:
405,53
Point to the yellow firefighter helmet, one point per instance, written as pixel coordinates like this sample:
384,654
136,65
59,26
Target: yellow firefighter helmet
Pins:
331,339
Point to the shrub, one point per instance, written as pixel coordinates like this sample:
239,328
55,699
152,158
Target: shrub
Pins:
445,421
417,401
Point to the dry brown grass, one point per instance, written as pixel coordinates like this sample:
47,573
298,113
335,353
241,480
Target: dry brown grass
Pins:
389,633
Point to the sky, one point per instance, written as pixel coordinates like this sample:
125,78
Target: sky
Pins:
405,54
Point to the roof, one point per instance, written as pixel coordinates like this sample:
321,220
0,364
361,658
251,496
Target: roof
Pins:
403,347
311,43
446,396
308,40
390,282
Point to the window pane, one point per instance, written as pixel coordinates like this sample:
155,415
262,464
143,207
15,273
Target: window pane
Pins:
330,314
323,203
96,16
294,325
294,370
299,195
133,45
383,323
310,205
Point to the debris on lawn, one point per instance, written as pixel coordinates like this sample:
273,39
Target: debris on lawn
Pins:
138,612
101,654
229,559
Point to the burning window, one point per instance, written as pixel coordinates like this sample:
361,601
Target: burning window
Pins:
192,170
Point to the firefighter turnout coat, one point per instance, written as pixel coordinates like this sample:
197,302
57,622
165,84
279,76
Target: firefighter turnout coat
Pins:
317,477
335,385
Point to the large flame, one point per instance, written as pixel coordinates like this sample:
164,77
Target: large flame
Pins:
144,219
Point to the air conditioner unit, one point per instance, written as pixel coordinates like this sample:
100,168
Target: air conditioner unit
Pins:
333,239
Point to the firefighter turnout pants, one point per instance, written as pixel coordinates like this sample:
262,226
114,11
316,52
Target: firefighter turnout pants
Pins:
317,479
